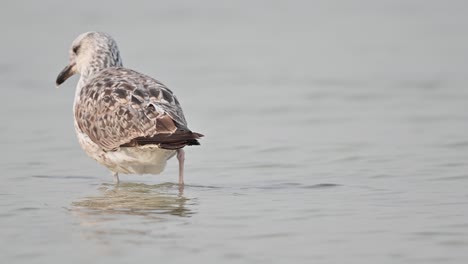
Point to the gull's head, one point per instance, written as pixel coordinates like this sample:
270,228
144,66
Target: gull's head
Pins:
90,53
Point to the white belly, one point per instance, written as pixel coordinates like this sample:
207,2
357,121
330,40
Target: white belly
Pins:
147,159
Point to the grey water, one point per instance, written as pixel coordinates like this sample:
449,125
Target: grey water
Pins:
335,132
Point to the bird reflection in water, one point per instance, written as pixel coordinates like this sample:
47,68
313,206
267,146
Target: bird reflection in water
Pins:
132,213
137,199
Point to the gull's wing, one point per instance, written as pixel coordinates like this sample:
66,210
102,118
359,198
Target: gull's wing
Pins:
120,108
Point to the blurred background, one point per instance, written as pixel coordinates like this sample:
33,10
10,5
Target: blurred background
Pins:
335,131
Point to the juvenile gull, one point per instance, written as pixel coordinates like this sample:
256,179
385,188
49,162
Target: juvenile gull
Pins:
125,120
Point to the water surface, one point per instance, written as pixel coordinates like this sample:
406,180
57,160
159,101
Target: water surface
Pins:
335,133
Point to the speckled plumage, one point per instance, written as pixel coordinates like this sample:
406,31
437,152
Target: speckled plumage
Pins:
127,121
118,105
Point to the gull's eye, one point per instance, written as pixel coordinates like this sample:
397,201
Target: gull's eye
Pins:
76,49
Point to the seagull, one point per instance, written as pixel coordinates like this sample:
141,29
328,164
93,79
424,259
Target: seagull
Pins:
125,120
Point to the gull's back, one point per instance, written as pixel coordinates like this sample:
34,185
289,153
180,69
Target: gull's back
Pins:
123,108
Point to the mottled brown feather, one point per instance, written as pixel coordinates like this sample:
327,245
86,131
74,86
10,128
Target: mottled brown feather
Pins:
122,108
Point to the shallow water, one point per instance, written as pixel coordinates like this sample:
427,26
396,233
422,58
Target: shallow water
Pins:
335,133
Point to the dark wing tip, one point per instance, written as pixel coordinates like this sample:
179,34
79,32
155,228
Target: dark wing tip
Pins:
176,140
197,135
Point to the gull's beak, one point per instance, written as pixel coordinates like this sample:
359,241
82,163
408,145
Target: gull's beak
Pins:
66,73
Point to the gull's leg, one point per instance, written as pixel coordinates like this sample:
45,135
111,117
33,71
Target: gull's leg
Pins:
181,158
116,177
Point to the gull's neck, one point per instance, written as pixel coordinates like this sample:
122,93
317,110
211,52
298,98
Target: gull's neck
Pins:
97,63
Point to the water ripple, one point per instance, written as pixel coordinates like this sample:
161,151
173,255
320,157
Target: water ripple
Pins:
62,177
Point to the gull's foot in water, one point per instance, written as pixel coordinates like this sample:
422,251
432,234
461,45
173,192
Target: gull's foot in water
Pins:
181,188
116,177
